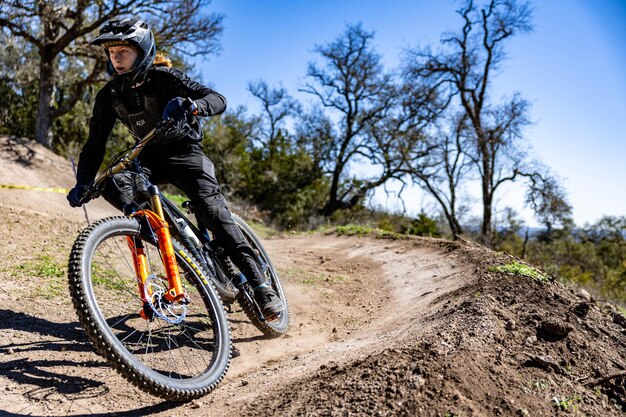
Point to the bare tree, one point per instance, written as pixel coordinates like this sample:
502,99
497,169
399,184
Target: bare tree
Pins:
359,94
443,167
316,134
463,71
548,199
59,32
278,105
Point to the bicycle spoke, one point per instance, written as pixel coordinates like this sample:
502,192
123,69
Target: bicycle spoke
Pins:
146,334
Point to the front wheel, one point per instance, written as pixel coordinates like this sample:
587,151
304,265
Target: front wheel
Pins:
174,350
280,324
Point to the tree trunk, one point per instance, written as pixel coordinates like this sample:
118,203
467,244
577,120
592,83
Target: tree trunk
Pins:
332,205
44,109
455,227
485,232
526,237
486,181
453,222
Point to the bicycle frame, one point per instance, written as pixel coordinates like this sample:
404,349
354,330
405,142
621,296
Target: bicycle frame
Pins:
160,219
173,214
156,219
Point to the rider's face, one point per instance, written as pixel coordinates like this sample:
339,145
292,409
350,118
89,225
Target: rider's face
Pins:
123,57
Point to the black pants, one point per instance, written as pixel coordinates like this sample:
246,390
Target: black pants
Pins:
187,168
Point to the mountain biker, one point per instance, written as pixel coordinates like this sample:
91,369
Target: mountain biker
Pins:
141,92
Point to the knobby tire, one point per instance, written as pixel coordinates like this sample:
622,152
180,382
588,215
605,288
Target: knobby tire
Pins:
279,326
178,361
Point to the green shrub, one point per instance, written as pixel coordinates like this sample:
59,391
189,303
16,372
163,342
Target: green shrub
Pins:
518,268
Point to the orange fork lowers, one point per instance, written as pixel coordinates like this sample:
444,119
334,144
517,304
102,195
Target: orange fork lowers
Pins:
141,268
139,262
161,228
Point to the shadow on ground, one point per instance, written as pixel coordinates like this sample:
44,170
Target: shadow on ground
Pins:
43,366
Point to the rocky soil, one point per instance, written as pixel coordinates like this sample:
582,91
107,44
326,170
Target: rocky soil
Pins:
381,326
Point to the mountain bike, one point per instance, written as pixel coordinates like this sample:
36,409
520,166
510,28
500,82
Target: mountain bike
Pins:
149,289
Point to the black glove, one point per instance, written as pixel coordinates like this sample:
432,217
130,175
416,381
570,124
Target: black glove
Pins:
178,108
75,195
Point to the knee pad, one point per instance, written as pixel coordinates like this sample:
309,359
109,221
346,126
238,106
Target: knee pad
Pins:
112,194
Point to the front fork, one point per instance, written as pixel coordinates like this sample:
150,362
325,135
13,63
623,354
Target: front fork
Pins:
166,249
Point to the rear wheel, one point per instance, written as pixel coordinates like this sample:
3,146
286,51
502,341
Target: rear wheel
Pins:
174,350
278,326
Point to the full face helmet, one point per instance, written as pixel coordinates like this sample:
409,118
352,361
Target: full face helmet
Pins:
134,32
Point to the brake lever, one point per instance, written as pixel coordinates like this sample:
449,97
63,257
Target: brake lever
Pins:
92,191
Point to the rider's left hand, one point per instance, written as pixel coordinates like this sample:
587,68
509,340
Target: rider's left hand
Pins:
75,195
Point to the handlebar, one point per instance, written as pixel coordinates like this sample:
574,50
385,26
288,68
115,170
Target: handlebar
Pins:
93,190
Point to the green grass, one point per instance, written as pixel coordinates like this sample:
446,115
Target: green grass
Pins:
309,280
177,199
355,230
306,277
320,278
567,404
53,281
107,278
518,268
51,272
360,230
261,230
530,386
55,287
44,266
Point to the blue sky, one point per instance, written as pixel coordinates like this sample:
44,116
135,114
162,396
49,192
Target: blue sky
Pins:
572,68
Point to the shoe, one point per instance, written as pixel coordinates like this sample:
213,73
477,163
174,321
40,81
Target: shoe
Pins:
269,302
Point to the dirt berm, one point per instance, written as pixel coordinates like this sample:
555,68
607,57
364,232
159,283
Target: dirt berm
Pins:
380,326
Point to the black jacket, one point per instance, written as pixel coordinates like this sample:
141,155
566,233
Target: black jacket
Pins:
139,109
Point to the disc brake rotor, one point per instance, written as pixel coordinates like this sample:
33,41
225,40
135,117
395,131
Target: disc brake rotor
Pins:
155,288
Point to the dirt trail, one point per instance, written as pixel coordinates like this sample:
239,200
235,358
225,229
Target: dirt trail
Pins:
379,327
348,298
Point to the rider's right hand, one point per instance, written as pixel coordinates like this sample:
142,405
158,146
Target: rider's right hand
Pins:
178,108
175,110
75,195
